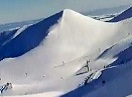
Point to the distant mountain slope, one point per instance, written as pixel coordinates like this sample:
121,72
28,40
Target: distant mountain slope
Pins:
106,11
6,36
5,27
124,15
28,39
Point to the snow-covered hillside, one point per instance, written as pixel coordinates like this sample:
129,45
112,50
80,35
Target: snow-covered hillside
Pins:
50,58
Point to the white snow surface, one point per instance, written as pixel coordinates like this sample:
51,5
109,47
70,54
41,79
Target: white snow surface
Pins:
129,96
49,69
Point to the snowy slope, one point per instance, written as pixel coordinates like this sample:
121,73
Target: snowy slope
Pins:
44,58
129,96
117,76
117,84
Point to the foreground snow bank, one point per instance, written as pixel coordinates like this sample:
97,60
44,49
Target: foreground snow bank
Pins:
48,94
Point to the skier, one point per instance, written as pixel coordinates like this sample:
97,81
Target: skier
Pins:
103,82
5,87
10,86
86,81
63,62
87,62
26,74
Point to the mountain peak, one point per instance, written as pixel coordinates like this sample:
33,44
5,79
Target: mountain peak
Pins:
69,12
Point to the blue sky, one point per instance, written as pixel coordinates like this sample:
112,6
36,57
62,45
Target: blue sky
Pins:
20,10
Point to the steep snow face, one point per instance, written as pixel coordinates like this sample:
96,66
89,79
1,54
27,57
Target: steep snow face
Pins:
59,46
7,26
124,15
78,38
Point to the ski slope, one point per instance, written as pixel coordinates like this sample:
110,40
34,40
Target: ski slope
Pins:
43,59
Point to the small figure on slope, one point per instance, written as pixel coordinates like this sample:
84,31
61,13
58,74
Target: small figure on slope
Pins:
5,87
87,65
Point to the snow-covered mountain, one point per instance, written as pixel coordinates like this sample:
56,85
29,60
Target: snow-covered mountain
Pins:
68,55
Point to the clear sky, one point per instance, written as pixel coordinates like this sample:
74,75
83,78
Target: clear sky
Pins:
20,10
